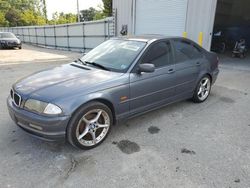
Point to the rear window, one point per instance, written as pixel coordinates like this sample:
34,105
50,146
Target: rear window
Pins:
186,51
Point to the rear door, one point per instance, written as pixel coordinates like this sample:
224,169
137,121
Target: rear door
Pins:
148,90
188,61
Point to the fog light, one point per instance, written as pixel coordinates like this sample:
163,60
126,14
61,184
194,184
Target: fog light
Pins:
36,127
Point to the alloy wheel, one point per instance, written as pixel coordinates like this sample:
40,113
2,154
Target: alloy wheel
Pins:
204,88
93,127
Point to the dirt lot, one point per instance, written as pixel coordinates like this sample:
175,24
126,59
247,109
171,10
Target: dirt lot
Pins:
182,145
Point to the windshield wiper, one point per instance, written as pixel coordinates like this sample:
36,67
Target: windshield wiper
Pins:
83,62
97,65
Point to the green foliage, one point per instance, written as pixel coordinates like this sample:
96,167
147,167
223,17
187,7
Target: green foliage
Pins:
34,12
21,12
3,21
13,16
61,18
107,5
88,14
44,9
94,14
99,15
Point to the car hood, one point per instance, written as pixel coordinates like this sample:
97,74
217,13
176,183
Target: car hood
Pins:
9,39
65,80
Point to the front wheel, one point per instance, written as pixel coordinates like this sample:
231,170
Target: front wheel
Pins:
202,90
90,125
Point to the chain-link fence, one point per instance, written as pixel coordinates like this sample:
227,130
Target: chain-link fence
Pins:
81,36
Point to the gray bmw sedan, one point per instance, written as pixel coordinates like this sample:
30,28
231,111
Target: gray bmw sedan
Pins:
119,79
9,40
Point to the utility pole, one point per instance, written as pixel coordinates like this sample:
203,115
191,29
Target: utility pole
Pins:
78,11
45,10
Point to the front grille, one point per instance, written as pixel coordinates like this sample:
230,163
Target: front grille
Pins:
11,43
16,98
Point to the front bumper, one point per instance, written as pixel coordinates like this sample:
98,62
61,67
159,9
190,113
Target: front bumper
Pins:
10,45
43,127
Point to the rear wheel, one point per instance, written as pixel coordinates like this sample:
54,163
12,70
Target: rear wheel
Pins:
90,125
202,90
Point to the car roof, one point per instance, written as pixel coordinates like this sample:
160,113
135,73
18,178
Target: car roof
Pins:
146,38
6,32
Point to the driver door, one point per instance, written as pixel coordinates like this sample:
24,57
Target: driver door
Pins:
149,90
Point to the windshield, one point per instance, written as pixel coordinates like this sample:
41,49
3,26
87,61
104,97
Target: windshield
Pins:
7,35
115,55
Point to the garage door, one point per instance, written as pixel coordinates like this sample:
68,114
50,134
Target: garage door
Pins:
166,17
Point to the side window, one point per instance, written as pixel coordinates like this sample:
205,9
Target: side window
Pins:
158,54
185,51
197,53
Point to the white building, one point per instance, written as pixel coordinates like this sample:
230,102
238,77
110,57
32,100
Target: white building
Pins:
174,17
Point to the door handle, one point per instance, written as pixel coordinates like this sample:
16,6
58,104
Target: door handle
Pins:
170,71
198,63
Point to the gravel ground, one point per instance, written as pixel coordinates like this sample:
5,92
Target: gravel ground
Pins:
182,145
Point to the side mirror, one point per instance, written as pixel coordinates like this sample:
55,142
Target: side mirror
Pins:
147,67
17,36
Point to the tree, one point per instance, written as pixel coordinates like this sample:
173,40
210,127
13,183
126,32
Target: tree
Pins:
21,12
13,16
88,14
107,5
44,9
3,21
99,15
29,18
61,18
34,12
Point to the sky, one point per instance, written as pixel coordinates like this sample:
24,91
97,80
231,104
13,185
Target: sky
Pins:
69,6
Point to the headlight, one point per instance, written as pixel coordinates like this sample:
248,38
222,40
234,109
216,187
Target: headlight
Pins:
42,107
52,109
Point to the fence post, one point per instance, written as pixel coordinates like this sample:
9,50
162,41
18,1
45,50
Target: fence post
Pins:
115,23
83,37
29,34
44,34
105,32
36,35
108,31
55,37
68,36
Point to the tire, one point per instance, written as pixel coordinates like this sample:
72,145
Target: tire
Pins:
202,90
20,47
85,122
